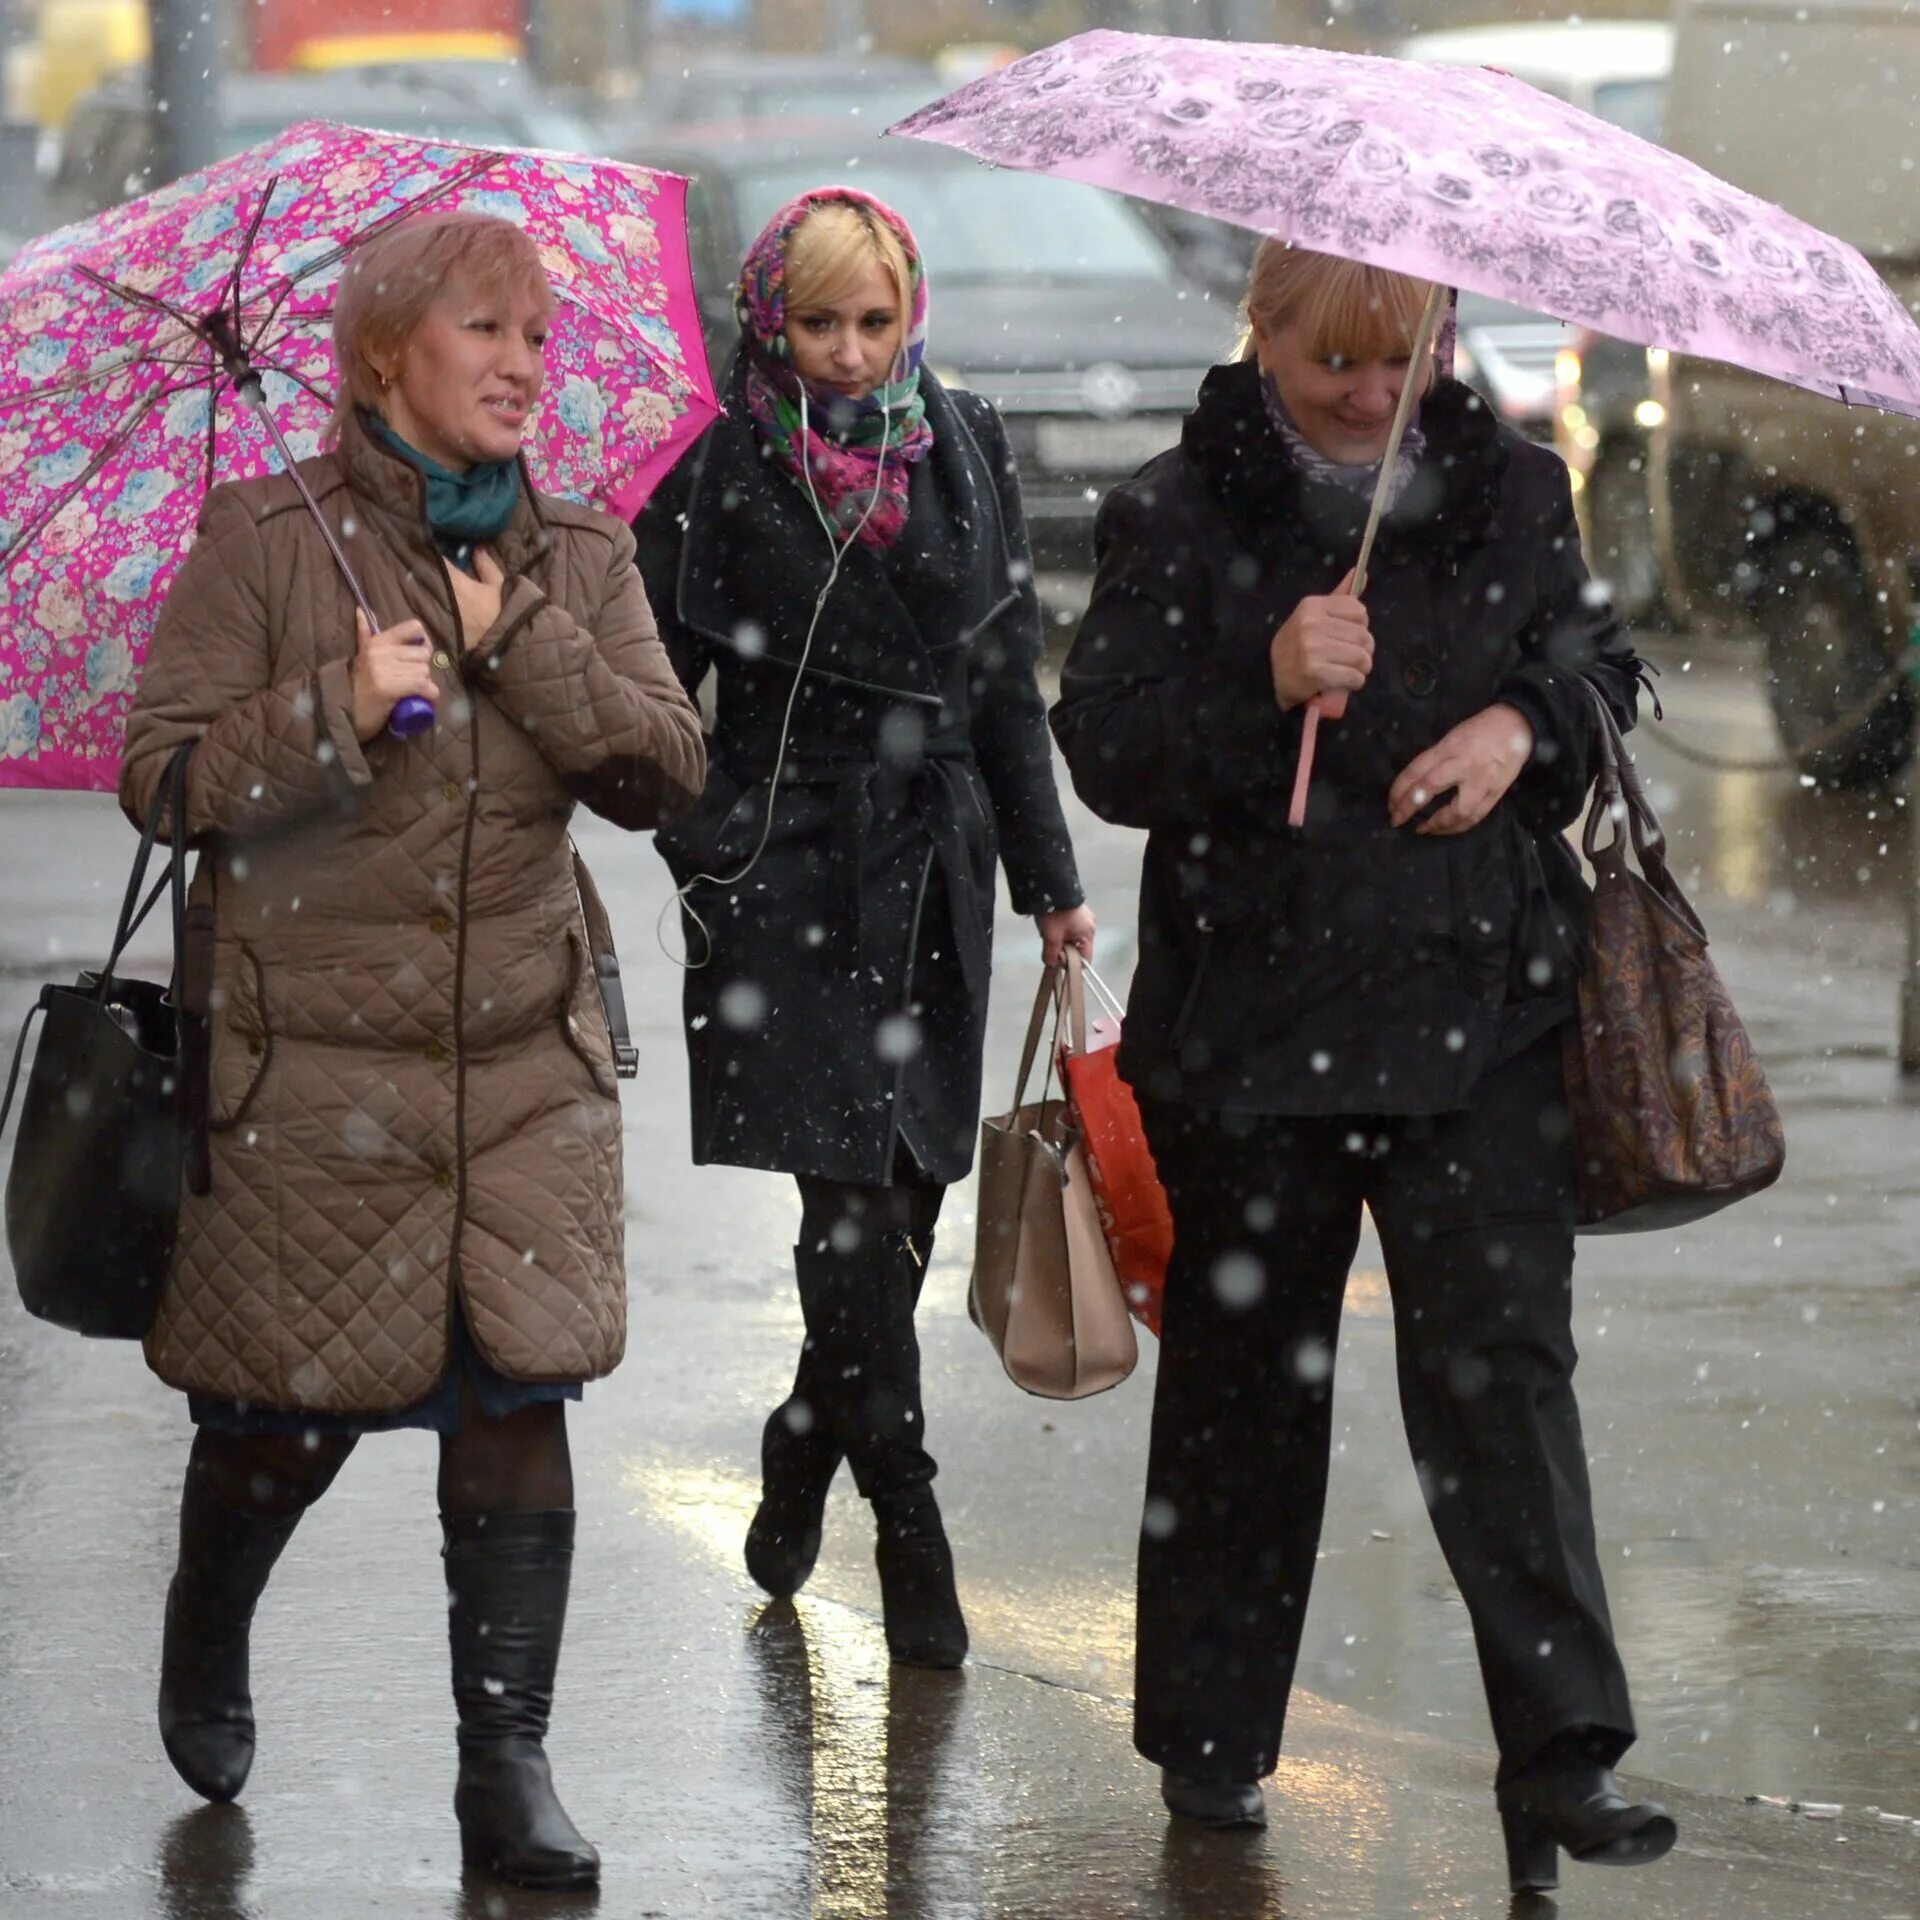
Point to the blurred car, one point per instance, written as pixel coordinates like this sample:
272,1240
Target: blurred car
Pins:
1055,300
1615,70
1586,392
1512,355
1768,500
875,89
107,153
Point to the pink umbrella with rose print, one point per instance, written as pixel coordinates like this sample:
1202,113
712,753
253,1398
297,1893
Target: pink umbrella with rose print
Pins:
184,339
1457,175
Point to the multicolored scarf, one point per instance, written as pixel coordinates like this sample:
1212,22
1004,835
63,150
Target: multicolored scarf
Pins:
863,457
1314,465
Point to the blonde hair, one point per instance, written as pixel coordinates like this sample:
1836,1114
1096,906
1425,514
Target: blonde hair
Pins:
393,282
1340,306
830,252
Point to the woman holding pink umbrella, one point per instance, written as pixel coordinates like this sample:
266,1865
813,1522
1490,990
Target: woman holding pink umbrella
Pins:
1365,1012
414,1218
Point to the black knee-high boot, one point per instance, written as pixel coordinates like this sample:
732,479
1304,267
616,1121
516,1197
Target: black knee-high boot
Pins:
800,1452
859,1307
206,1702
507,1580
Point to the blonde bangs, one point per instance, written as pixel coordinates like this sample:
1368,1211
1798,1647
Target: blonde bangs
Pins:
1342,308
832,250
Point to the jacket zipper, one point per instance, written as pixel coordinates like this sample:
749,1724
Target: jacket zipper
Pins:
454,1279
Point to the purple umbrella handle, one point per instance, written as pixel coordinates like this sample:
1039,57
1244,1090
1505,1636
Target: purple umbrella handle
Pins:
410,716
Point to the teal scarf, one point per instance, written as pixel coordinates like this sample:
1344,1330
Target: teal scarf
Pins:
464,510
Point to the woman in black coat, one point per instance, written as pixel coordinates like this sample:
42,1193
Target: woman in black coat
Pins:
846,552
1368,1010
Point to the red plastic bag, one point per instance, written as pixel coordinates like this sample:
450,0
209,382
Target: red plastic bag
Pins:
1126,1186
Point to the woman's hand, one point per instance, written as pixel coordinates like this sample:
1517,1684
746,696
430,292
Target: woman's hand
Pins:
1065,927
478,599
1480,759
1325,646
388,667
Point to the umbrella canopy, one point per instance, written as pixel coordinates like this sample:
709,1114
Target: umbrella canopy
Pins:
1457,175
185,339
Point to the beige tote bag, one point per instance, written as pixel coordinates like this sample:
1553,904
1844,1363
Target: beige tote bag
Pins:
1044,1288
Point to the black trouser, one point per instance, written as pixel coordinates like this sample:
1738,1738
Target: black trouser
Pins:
860,1260
1475,1213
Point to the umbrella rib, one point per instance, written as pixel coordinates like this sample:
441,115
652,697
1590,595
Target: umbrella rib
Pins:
59,503
245,250
134,297
472,171
74,383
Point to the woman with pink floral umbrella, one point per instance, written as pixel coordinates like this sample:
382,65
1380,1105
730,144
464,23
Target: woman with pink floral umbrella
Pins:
414,1216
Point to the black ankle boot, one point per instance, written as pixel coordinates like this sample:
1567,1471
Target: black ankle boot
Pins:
1213,1803
925,1627
1578,1805
507,1576
206,1705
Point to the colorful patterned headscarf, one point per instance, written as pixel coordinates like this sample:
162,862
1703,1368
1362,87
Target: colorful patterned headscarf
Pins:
888,430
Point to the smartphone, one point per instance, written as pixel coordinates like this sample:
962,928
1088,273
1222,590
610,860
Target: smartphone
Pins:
1445,797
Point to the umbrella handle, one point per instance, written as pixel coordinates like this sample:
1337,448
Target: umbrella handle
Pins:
1333,706
411,715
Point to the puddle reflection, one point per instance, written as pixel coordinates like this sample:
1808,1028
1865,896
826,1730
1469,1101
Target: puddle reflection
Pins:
205,1858
484,1899
1218,1876
860,1751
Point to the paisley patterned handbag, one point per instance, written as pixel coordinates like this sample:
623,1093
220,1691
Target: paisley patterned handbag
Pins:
1672,1115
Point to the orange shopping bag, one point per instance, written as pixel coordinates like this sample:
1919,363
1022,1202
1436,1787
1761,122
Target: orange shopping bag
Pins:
1126,1188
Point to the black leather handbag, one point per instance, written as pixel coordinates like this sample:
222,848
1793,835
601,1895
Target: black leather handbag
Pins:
107,1121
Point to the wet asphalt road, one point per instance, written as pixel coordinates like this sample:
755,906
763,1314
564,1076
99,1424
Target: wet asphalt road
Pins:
1751,1397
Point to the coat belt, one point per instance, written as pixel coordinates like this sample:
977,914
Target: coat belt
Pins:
936,788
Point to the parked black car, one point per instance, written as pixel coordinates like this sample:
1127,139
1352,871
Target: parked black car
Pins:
107,151
1055,300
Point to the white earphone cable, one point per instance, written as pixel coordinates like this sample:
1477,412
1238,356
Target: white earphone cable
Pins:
682,896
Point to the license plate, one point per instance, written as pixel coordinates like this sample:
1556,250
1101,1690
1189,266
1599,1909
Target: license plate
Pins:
1105,446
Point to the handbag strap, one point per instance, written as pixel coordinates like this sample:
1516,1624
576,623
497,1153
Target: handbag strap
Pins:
19,1048
606,969
1621,802
1075,969
169,805
1109,1000
1048,995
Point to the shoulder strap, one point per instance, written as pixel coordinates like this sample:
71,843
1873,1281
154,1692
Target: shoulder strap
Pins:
606,969
1621,803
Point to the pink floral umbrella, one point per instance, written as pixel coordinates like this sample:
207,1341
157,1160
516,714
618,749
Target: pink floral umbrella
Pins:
184,339
1457,175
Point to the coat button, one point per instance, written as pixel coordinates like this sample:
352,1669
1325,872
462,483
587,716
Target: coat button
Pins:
439,924
443,1179
451,791
442,658
1421,675
435,1052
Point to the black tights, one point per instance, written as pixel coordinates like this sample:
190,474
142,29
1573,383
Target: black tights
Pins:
517,1465
836,1215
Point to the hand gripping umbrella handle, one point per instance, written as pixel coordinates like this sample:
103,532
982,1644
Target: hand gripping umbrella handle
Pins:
1333,706
411,715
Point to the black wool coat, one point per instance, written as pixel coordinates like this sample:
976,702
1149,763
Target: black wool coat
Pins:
841,1008
1346,966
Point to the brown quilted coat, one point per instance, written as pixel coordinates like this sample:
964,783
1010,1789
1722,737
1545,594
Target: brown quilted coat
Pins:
413,1103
